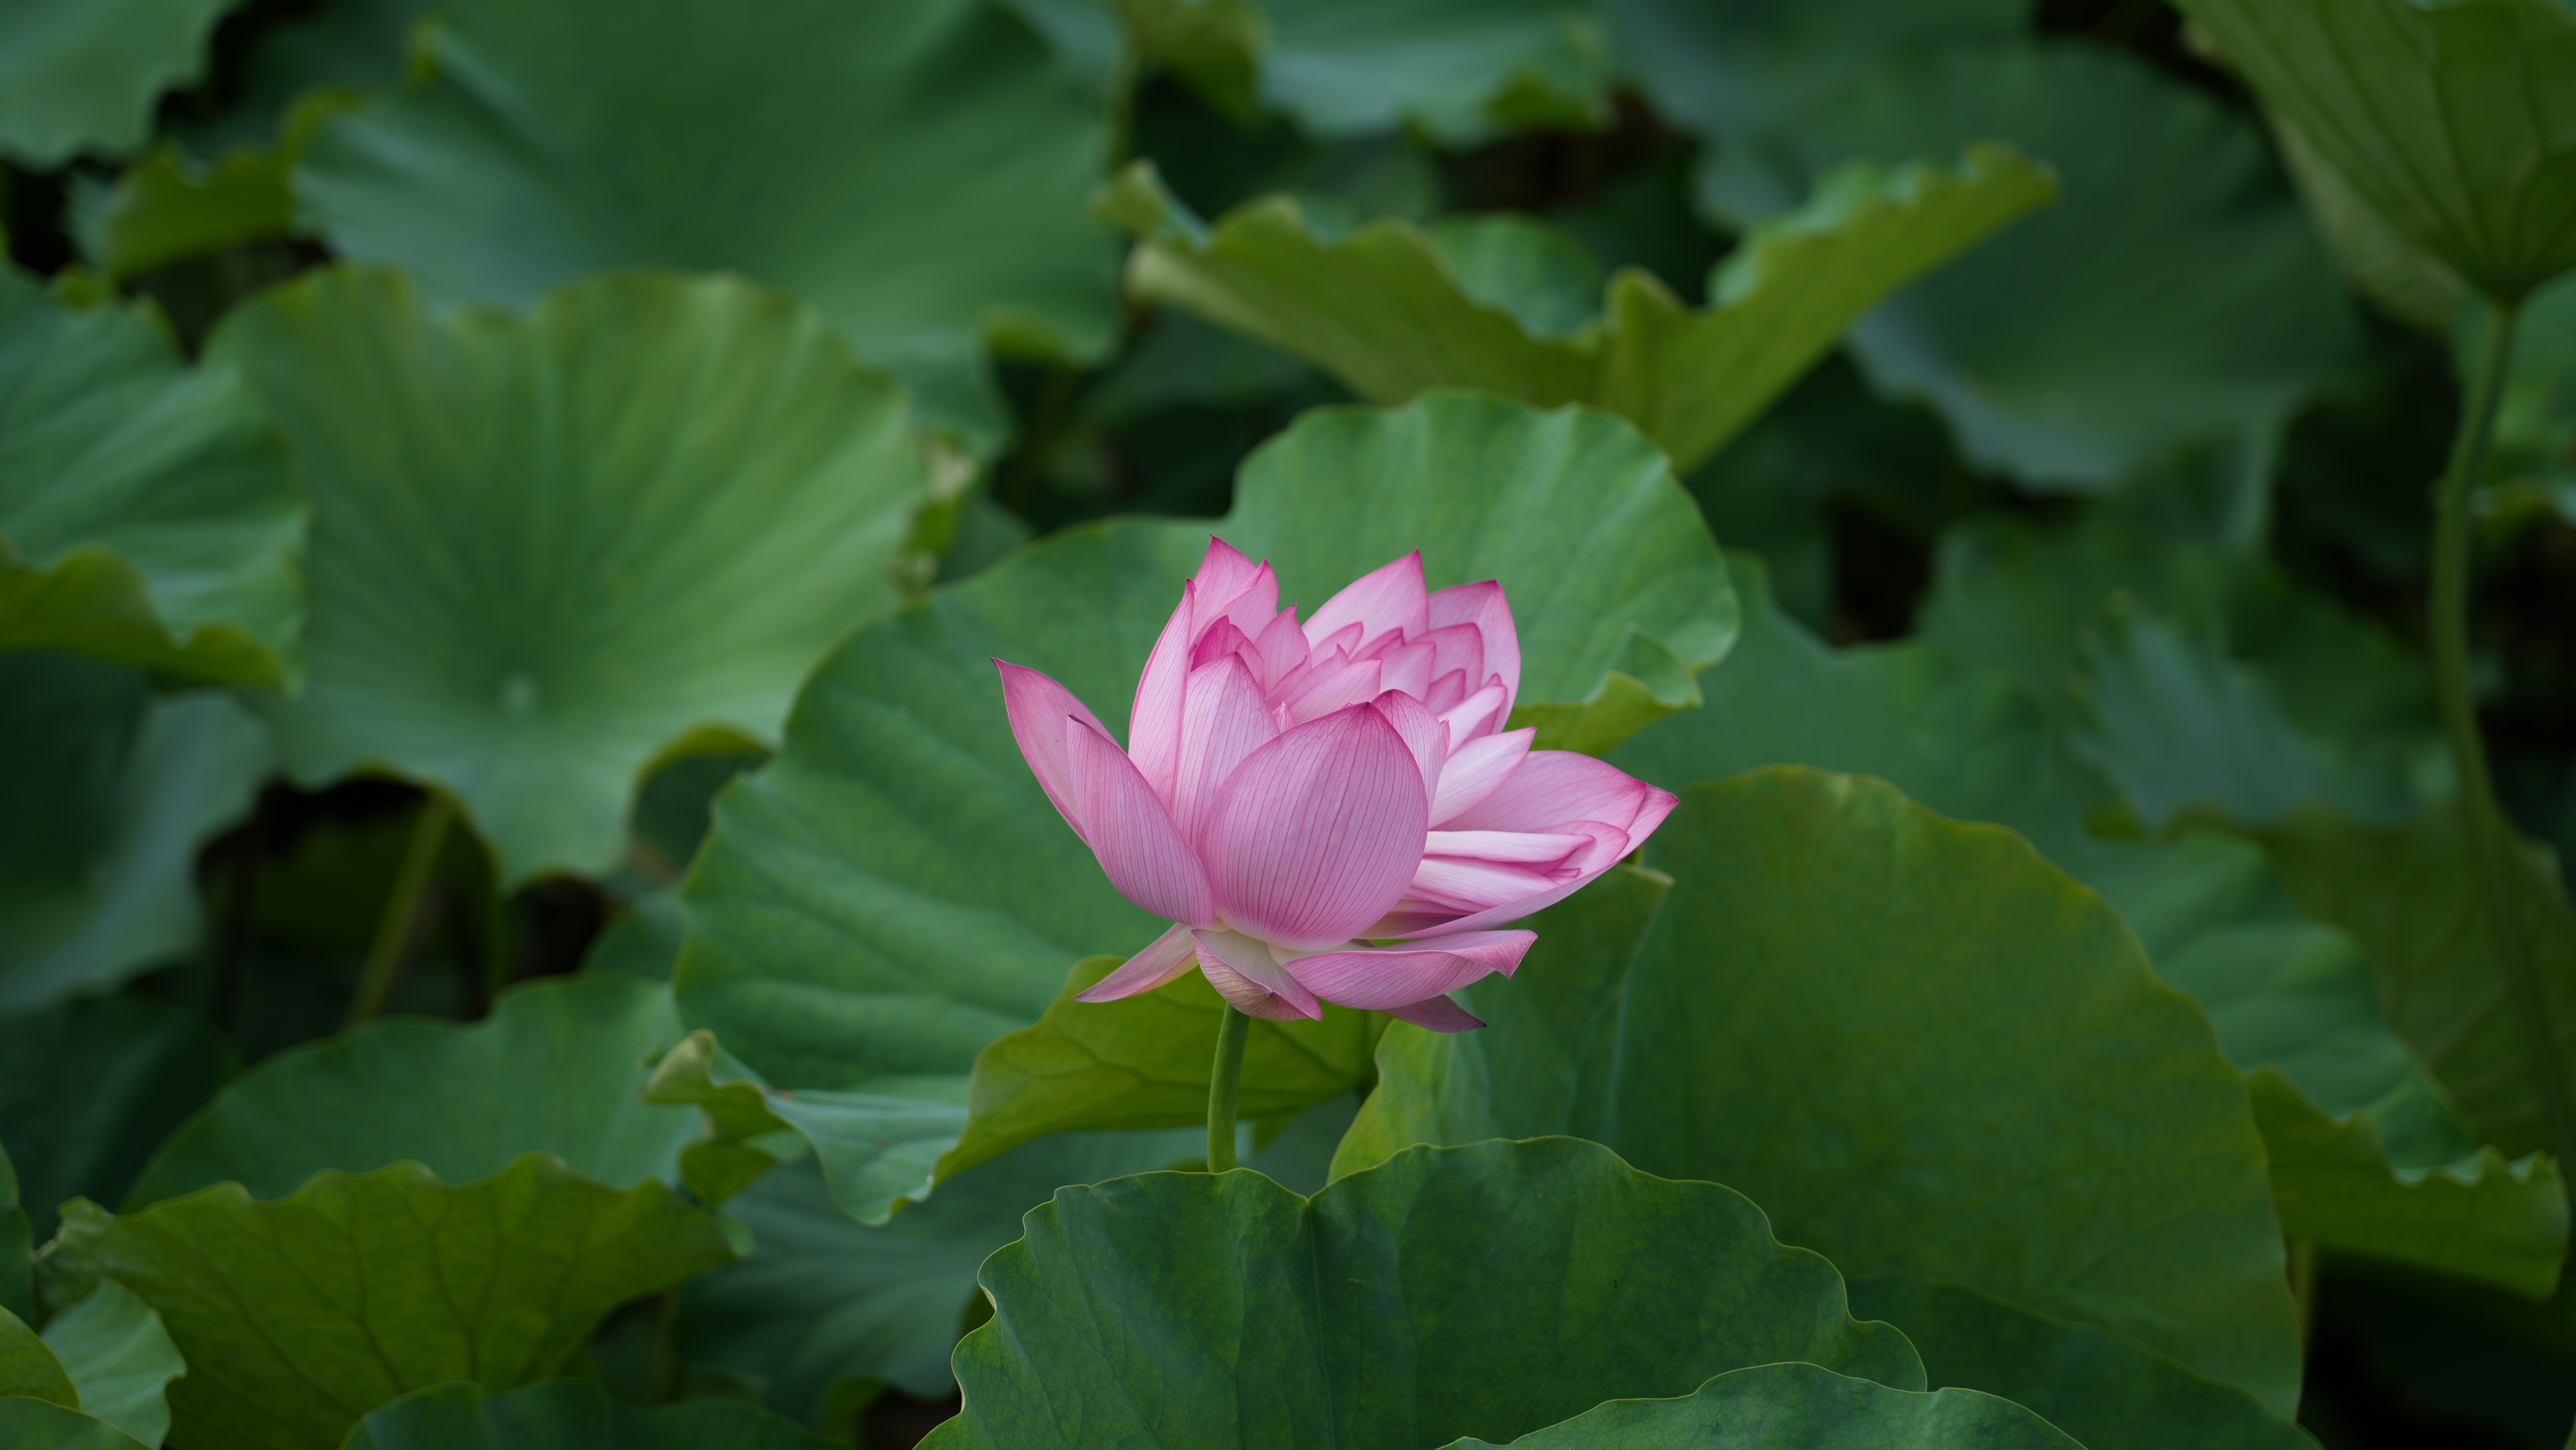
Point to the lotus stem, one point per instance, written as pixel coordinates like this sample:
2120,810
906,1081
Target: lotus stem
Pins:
1225,1083
395,928
2494,847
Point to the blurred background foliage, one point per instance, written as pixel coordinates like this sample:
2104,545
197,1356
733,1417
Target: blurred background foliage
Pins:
2186,355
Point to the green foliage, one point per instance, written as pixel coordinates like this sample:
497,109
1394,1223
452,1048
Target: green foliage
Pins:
557,1068
141,1064
1392,309
107,792
1142,1062
119,1359
2110,1391
42,1425
2457,123
17,1294
1799,1407
29,1367
358,1289
1185,1308
147,509
1914,1073
533,155
2172,299
568,1415
81,75
525,582
812,965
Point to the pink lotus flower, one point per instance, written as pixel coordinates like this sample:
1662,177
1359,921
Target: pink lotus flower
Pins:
1289,792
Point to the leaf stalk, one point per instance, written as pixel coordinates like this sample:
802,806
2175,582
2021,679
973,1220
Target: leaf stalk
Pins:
1225,1084
395,929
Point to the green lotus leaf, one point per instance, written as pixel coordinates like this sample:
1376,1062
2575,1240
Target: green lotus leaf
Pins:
1927,1037
120,1360
2535,427
142,1065
1188,1308
1798,1407
888,895
550,547
29,1367
2456,122
2283,991
2407,896
34,1424
17,1295
1143,1062
300,1315
83,75
168,207
148,512
1733,72
920,172
557,1068
1459,69
2177,296
2499,1222
2109,1391
1392,309
345,48
2382,262
570,1415
822,1298
108,793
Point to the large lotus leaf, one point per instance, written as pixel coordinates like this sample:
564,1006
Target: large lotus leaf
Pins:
2505,1052
2382,262
147,508
299,1316
29,1367
140,1065
821,1298
2106,1390
17,1296
119,1358
1732,72
571,1415
1186,1308
2283,991
2176,296
892,892
2503,1223
1939,1055
1455,67
27,1423
106,794
916,171
1798,1407
549,546
2457,121
82,75
1144,1062
1392,309
2230,648
557,1068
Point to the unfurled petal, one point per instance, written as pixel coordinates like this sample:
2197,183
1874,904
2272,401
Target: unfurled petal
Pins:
1380,978
1335,686
1484,607
1154,725
1171,954
1281,646
1446,691
1245,601
1041,712
1609,844
1127,827
1551,787
1438,1014
1457,649
1522,848
1406,667
1476,770
1245,972
1315,835
1388,597
1220,640
1224,573
1472,886
1226,720
1423,734
1477,716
